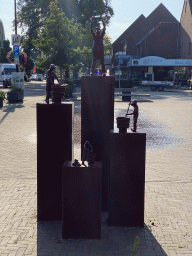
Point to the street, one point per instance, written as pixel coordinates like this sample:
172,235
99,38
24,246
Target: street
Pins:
165,117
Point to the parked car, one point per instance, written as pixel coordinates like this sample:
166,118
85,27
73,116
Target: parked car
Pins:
39,77
33,78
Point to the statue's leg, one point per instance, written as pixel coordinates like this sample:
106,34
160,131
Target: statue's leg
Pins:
103,65
93,65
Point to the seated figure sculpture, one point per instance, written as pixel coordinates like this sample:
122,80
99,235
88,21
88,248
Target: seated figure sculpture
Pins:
98,47
87,150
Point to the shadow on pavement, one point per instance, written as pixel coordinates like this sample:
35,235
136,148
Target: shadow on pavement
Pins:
114,241
10,108
34,89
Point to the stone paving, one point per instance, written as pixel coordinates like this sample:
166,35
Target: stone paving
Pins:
165,117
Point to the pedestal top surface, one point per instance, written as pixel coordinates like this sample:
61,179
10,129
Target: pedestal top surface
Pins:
95,165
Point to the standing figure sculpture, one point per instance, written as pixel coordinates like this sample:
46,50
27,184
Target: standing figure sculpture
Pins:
135,114
50,81
98,47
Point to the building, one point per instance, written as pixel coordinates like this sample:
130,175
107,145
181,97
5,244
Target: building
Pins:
157,34
186,30
2,33
155,47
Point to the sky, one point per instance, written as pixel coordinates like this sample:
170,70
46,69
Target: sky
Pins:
125,13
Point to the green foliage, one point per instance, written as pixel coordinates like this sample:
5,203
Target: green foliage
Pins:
60,30
135,247
55,38
15,89
2,95
83,10
30,18
107,44
28,66
4,50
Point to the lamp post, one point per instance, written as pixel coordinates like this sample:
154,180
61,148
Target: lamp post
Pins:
15,19
17,68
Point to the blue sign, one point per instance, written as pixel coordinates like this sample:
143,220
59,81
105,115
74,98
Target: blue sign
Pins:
15,50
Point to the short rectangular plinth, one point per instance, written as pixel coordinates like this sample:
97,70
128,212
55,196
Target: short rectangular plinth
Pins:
97,119
81,215
127,179
54,147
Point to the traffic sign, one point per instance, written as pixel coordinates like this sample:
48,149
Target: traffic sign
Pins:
16,50
15,39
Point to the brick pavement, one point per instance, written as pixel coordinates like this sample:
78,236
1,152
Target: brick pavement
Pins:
166,118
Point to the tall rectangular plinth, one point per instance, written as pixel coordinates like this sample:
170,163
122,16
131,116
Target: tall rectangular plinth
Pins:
97,119
54,147
127,179
81,217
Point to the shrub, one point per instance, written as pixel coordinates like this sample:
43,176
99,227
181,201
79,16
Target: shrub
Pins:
2,95
16,89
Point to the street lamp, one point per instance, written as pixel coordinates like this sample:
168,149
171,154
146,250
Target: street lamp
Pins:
17,68
15,19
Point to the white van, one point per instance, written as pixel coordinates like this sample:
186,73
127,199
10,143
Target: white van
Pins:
5,73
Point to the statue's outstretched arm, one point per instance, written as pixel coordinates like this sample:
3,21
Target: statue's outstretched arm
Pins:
104,27
91,25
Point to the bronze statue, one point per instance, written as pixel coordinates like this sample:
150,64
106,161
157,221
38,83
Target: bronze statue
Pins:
98,47
88,154
51,76
135,114
76,163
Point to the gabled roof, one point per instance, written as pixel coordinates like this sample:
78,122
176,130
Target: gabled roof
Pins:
131,28
160,9
153,30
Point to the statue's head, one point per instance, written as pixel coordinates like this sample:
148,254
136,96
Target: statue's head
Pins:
134,103
52,66
97,31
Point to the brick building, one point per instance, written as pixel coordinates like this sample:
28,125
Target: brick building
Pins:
186,30
154,47
158,34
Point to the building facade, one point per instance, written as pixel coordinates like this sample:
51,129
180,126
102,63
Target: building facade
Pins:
152,48
186,30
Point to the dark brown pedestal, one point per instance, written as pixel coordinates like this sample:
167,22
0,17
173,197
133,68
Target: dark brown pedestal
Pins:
127,179
54,147
81,217
97,119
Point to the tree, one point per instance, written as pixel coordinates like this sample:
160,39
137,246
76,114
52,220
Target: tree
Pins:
29,19
33,13
54,40
4,50
107,44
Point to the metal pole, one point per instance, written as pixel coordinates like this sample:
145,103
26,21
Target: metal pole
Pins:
17,68
15,20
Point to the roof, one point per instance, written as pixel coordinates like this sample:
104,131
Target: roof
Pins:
152,30
132,27
160,9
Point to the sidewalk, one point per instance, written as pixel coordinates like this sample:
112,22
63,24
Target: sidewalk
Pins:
167,120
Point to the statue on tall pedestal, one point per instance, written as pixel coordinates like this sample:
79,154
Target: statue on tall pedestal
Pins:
98,47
